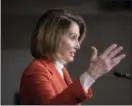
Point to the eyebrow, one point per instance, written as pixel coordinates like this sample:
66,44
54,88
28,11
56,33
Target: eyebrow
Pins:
74,33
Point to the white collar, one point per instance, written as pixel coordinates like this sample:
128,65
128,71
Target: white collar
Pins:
59,65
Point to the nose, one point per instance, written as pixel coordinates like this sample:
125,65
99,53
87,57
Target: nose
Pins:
77,45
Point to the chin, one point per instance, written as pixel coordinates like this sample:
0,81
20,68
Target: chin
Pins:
70,60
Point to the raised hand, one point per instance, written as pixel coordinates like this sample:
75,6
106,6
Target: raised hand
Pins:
102,64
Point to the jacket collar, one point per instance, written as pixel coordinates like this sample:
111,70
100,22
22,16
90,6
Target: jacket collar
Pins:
50,65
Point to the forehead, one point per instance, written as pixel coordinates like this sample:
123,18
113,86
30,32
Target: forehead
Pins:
74,28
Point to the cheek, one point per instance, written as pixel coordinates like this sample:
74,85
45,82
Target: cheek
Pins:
65,48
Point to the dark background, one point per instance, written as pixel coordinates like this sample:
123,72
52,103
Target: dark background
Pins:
108,21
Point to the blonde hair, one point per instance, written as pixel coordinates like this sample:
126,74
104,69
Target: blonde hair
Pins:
50,27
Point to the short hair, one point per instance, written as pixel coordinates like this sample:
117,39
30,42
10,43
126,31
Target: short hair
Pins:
50,27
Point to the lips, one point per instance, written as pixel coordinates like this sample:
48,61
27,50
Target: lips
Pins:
72,54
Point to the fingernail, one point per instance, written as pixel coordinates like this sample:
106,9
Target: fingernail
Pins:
115,45
124,55
121,47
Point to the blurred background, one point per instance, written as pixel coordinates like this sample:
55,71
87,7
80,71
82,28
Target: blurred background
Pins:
108,21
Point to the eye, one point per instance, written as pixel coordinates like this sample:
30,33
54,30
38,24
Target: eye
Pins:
74,37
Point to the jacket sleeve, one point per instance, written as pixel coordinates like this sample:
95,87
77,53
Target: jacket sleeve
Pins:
41,90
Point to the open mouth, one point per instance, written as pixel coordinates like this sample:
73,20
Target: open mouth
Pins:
72,54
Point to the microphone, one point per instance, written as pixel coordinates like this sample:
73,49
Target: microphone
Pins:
122,75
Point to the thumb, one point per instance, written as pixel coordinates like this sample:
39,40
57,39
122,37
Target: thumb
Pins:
94,54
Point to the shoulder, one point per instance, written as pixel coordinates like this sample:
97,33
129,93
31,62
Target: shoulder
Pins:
37,70
39,66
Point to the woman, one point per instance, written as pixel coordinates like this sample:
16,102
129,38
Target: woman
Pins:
56,39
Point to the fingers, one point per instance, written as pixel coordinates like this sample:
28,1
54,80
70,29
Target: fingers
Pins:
94,54
115,52
117,60
108,50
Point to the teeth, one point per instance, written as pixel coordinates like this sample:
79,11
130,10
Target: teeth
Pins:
72,54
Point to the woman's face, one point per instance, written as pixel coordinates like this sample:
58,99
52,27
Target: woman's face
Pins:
69,43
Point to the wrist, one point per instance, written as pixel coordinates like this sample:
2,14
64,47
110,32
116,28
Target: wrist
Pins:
92,75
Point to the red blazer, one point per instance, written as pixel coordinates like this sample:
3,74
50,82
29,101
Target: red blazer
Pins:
42,84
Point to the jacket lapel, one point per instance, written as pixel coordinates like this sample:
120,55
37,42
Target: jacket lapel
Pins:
62,83
67,77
